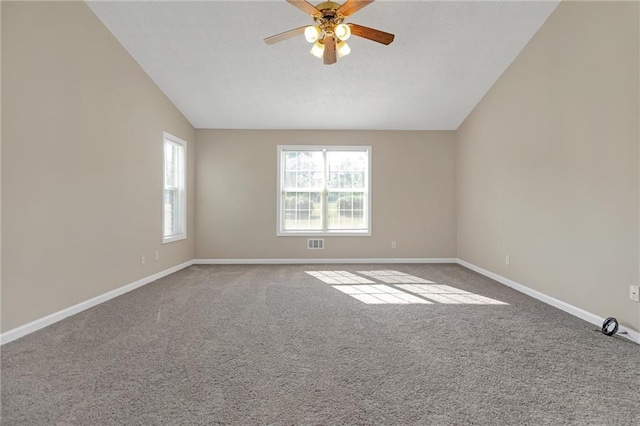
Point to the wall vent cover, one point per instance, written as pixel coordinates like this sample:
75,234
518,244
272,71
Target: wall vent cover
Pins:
315,244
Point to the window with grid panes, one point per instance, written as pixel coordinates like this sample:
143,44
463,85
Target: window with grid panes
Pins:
324,190
174,212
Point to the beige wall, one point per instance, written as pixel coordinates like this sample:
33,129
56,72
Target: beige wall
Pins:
548,163
82,162
413,195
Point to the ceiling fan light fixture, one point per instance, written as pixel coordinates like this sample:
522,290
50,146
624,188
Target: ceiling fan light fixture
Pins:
329,31
318,49
343,49
342,31
312,33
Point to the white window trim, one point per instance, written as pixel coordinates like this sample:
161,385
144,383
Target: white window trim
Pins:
321,233
182,176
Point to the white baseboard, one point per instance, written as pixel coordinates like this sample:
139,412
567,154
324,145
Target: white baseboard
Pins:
23,330
573,310
319,261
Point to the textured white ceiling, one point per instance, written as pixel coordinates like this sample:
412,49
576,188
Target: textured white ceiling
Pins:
209,58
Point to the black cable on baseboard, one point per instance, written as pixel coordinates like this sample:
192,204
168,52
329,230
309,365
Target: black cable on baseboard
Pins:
610,326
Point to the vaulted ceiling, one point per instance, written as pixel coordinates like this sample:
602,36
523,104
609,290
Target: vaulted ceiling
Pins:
209,58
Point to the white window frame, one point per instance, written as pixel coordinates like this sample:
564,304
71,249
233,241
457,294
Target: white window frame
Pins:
181,188
324,232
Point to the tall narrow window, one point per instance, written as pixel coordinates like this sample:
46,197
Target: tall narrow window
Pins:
174,191
324,190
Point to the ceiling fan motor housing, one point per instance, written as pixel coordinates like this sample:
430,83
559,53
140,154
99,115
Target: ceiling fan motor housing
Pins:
328,6
328,17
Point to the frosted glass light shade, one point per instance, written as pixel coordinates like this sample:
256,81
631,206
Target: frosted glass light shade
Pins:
317,50
342,31
343,49
312,33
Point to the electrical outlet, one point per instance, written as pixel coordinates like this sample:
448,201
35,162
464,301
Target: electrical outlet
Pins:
634,293
157,256
142,259
507,260
394,244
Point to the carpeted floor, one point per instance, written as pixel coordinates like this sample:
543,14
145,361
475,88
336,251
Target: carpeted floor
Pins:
273,345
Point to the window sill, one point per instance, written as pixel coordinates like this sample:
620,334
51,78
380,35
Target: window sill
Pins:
173,238
347,233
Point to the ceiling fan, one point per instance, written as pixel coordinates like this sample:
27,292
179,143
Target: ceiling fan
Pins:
329,34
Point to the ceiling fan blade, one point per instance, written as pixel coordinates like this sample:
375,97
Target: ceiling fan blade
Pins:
304,6
285,35
371,34
352,6
330,56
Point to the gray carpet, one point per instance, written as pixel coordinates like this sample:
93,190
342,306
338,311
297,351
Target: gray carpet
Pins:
273,345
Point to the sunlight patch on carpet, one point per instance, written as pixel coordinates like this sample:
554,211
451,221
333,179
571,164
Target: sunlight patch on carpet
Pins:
369,292
339,277
393,277
448,295
380,294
